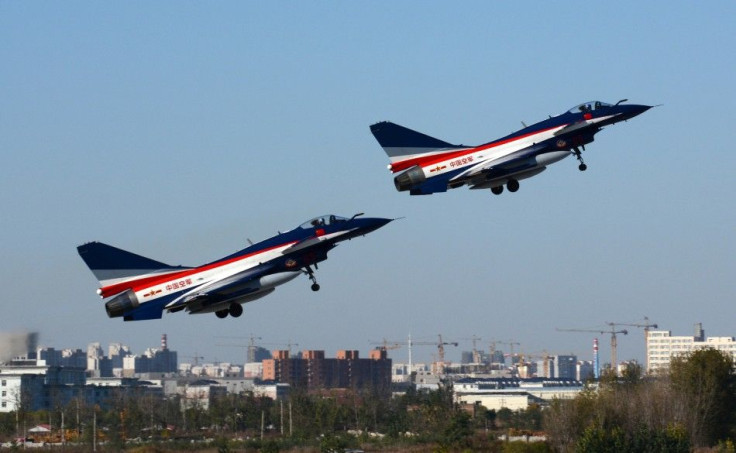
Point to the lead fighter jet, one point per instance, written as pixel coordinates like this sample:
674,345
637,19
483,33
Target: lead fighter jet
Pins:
429,165
140,288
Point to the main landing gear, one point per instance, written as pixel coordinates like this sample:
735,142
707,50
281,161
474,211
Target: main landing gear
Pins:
308,270
579,157
512,184
234,310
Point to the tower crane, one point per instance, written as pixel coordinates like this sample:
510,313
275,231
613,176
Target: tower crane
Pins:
646,325
492,350
195,358
511,344
252,344
613,333
476,352
440,351
440,348
386,345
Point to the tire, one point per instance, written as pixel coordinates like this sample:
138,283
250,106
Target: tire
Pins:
235,310
512,185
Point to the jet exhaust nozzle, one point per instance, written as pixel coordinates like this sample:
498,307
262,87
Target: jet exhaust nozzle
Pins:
120,304
410,178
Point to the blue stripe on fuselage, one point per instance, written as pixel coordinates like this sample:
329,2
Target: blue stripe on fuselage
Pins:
296,235
151,310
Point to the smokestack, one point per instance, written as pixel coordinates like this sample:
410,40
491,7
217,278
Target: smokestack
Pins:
163,342
596,363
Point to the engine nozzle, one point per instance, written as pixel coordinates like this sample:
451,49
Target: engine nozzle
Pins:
409,179
121,304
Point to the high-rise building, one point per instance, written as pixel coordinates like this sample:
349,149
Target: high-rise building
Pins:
585,370
565,366
662,346
257,354
314,371
154,360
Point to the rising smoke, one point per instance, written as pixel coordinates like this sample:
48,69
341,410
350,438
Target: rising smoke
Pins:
13,344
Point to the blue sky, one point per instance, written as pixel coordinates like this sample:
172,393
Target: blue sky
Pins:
177,130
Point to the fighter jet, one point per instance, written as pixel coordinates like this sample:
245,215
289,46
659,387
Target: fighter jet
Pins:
139,288
427,165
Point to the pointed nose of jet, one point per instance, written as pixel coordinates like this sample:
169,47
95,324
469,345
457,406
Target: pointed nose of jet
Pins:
631,110
362,226
370,224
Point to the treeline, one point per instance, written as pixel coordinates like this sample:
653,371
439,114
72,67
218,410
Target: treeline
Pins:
331,421
691,406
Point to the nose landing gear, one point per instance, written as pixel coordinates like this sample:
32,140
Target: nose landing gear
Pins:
579,157
308,270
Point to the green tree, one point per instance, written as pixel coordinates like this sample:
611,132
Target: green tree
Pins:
457,430
706,389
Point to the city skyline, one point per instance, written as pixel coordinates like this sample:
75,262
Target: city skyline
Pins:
398,351
181,131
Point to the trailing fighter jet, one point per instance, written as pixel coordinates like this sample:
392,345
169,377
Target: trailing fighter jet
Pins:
429,165
140,288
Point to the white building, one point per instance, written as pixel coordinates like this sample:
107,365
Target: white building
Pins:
253,370
34,385
498,401
275,391
513,393
662,346
201,394
400,371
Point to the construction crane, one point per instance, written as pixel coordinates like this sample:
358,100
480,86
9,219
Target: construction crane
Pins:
441,352
440,348
195,358
476,352
646,325
252,344
492,350
524,364
386,345
542,356
511,344
613,333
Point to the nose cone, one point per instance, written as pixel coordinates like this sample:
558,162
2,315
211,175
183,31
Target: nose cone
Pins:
632,110
369,224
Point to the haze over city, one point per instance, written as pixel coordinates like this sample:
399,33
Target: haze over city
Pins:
180,131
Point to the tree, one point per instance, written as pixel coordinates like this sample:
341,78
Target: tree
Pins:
704,382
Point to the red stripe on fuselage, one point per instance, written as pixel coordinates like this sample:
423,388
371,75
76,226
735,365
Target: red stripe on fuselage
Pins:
424,161
142,283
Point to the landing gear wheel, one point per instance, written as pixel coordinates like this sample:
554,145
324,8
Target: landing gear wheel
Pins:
235,310
512,185
579,157
308,270
221,313
498,190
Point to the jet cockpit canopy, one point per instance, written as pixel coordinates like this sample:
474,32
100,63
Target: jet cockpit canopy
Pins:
323,220
589,106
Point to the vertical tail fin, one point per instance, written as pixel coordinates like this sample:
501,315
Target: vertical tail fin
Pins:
112,265
401,143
